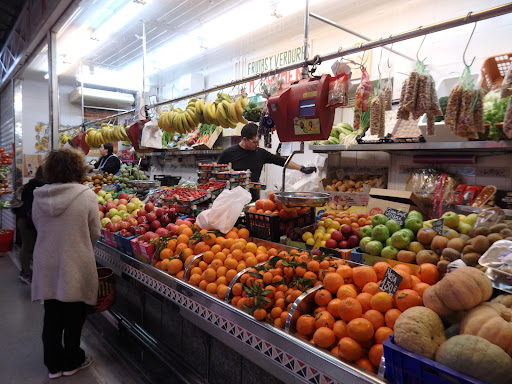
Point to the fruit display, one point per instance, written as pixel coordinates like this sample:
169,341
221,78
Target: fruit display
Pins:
186,195
106,134
355,183
129,172
5,182
98,180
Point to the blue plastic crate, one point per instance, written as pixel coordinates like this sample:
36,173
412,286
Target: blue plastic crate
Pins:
404,367
123,244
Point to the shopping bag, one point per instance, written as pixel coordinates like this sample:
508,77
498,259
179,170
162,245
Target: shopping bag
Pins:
225,211
299,182
152,135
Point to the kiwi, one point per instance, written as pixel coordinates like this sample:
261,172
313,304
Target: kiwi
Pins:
507,232
442,266
468,249
471,259
493,237
456,243
451,254
406,256
465,237
496,228
438,244
427,256
484,231
426,235
480,244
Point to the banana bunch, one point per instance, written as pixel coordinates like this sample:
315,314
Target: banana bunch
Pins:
229,113
106,134
64,138
94,138
252,112
182,121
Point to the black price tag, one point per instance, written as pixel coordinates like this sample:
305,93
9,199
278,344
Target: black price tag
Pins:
395,214
438,225
390,281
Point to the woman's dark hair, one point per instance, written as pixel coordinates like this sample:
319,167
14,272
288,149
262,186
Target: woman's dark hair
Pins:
39,173
64,166
109,147
249,131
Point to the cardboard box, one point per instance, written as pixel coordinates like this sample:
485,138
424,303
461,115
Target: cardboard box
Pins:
381,199
211,141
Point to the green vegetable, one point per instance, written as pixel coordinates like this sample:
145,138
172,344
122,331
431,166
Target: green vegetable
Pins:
494,112
333,140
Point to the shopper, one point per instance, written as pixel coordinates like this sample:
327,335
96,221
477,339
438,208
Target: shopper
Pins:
248,155
108,162
25,225
65,214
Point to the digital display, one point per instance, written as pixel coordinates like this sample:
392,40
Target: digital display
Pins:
307,107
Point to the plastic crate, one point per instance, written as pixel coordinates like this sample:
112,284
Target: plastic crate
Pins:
6,239
404,367
123,243
493,71
272,227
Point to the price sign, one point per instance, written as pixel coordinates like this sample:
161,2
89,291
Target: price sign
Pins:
438,225
395,214
390,281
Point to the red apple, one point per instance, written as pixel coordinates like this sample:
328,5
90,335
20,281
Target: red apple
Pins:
132,229
124,195
343,244
142,212
162,232
101,207
159,212
355,231
337,236
150,235
346,230
112,227
149,207
151,216
316,252
124,224
155,224
172,213
109,205
331,243
142,219
145,226
133,221
353,241
172,228
140,230
165,220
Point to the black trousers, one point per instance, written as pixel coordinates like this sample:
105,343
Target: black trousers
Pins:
62,329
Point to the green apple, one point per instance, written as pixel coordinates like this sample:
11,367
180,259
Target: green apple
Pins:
101,193
108,197
400,239
388,242
125,214
363,242
374,247
113,212
100,199
393,226
411,234
104,222
415,214
380,233
451,219
471,218
366,231
379,219
414,224
389,252
464,228
116,218
130,206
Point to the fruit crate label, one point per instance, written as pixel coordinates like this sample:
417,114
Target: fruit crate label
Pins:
390,281
397,215
438,225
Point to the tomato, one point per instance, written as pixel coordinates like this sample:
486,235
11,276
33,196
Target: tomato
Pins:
2,149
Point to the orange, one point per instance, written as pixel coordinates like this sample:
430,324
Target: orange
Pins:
195,279
313,266
375,353
391,316
203,284
165,253
163,264
186,253
346,272
230,263
403,267
180,274
340,329
279,323
382,334
237,254
180,248
211,288
232,235
375,317
203,265
305,325
322,297
333,306
208,256
243,233
171,244
347,290
364,363
181,228
364,299
251,247
428,273
371,288
382,302
350,309
216,248
363,275
349,349
228,243
251,261
237,245
221,271
380,269
332,282
187,231
201,247
260,314
269,205
216,264
324,319
230,274
183,239
407,298
406,282
276,312
210,274
220,240
221,291
360,329
220,256
324,337
420,288
210,239
175,265
415,280
259,204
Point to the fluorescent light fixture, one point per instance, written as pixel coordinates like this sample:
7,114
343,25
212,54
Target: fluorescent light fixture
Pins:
127,78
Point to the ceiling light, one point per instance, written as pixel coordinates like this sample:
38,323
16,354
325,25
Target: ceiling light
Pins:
46,76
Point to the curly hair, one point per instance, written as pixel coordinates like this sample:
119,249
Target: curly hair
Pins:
64,166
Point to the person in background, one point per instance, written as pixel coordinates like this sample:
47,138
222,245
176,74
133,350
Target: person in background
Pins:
108,162
248,155
66,216
26,227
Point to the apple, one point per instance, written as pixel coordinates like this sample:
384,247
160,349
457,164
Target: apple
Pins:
172,228
162,232
100,200
355,231
374,247
150,235
123,201
108,197
121,207
145,226
104,222
415,247
393,226
451,219
132,229
353,240
464,228
113,227
141,230
179,222
124,224
414,224
102,215
343,244
124,195
142,212
400,239
101,193
471,218
363,242
133,221
151,216
149,207
125,215
380,233
165,220
109,205
337,236
346,230
159,212
415,214
116,219
113,211
366,231
316,252
389,252
101,208
155,224
130,207
331,243
141,219
116,201
379,219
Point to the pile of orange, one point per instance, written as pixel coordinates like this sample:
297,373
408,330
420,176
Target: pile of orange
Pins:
272,207
354,219
353,316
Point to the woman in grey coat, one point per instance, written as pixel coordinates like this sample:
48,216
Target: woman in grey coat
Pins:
65,214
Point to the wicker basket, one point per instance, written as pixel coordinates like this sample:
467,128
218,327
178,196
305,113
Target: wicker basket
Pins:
493,71
106,290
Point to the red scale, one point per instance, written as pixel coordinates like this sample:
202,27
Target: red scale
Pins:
299,110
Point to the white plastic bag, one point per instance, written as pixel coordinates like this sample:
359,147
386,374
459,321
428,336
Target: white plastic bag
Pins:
298,182
225,211
151,135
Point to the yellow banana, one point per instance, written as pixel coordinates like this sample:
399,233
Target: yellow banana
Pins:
224,96
179,123
209,112
190,120
220,117
200,110
125,134
232,112
226,105
244,100
161,119
240,111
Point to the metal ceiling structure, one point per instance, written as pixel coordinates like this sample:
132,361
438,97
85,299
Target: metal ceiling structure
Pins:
9,12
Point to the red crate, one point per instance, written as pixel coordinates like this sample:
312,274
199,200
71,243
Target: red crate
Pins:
6,239
109,238
142,252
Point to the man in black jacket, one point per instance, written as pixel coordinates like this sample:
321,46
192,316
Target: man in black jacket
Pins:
108,162
248,155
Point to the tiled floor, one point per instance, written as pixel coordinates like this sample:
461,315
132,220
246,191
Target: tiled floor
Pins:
21,351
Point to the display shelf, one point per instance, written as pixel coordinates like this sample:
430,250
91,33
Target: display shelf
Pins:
191,152
298,360
480,147
470,209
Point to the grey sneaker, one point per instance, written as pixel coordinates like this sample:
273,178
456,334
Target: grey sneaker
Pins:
55,375
24,278
85,364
